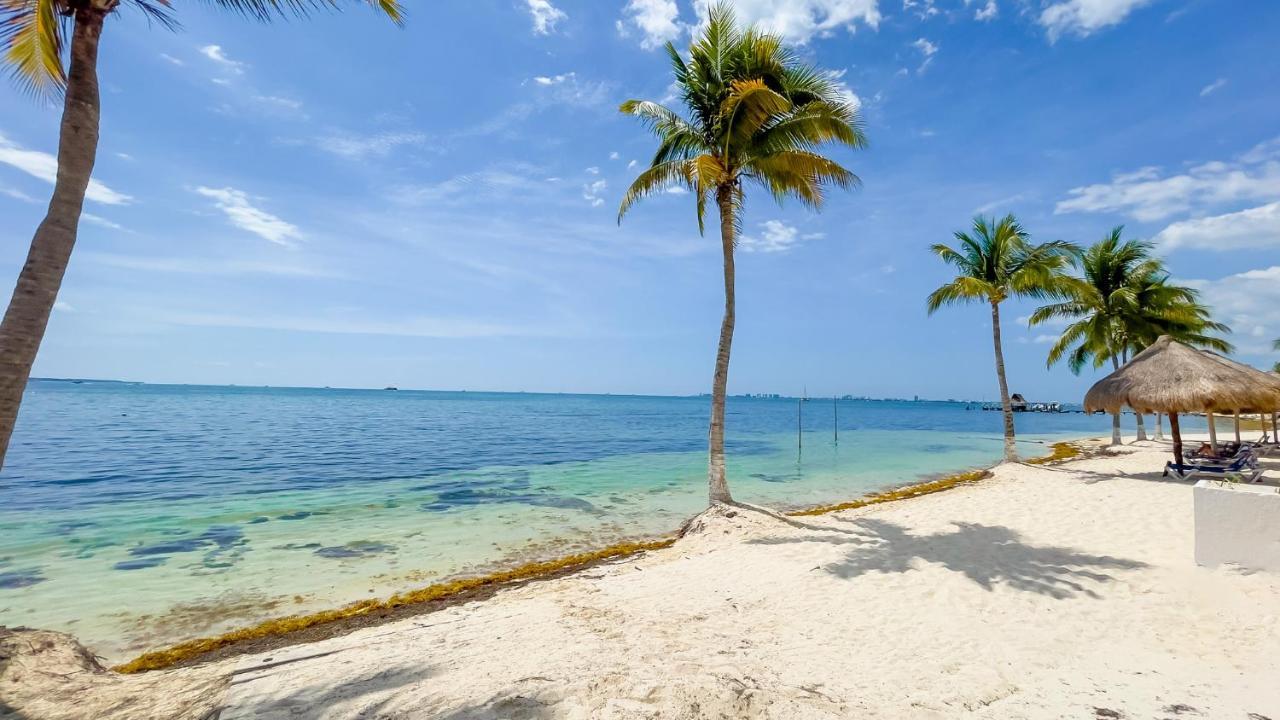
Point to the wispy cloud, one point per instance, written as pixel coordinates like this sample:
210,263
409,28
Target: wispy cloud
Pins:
986,12
591,192
100,221
421,326
172,60
1149,194
216,54
205,266
45,167
927,51
360,147
18,195
243,214
1212,87
1085,17
775,236
545,16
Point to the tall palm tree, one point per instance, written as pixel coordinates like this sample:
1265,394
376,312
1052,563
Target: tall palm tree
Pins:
997,261
1122,303
33,43
753,113
1276,346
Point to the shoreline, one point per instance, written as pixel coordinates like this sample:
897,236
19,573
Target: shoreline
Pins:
292,630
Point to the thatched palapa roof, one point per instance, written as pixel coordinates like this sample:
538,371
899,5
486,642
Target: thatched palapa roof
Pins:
1267,379
1171,377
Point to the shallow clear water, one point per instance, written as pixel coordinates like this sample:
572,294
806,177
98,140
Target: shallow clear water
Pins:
138,515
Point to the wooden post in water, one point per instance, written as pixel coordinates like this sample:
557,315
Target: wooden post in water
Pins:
835,420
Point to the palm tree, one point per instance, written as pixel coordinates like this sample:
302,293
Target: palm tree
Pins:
753,113
996,262
33,35
1122,303
1276,346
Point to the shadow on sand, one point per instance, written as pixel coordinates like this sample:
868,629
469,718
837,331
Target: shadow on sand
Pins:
986,554
309,700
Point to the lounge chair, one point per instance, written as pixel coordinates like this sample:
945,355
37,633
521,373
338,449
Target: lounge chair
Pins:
1242,468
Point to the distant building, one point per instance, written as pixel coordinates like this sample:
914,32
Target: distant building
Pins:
1018,403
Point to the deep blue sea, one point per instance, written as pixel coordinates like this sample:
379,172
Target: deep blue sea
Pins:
137,515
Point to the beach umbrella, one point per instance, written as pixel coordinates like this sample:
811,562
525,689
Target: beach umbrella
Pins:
1172,378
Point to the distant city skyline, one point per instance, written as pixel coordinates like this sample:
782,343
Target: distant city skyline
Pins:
256,222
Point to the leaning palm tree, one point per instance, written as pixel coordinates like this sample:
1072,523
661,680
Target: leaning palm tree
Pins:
1123,303
996,262
33,43
753,113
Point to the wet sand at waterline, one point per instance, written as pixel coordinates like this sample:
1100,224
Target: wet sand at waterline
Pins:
1041,592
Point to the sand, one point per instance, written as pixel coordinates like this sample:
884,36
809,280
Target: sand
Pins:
1064,591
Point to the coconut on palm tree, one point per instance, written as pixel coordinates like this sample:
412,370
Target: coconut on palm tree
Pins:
34,38
996,261
752,114
1122,303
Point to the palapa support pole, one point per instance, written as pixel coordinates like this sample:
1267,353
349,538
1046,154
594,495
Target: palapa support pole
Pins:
1237,419
1213,434
1177,438
1159,427
1275,428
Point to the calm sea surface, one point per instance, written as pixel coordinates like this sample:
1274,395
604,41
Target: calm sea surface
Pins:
139,515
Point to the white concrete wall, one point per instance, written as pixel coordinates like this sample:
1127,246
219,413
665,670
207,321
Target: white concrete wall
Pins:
1237,524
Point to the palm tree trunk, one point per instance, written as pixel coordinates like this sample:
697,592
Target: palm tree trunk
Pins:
717,483
1115,417
1010,448
28,314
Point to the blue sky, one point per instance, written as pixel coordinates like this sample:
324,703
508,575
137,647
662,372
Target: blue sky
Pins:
340,202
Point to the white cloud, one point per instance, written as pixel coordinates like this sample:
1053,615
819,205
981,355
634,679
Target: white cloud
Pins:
632,164
1257,227
986,12
592,190
45,167
1212,87
923,9
18,195
1147,194
1249,302
124,156
657,20
202,266
775,237
545,16
676,190
798,21
357,147
242,213
593,170
513,179
275,101
173,60
927,51
432,327
845,92
62,306
613,155
1044,339
215,53
1084,17
100,221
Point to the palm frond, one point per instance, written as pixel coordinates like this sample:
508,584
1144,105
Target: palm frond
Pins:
32,37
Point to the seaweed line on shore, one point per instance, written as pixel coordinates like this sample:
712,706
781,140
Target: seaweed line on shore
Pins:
293,629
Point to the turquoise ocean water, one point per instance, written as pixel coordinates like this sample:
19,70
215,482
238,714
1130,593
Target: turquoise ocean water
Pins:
139,515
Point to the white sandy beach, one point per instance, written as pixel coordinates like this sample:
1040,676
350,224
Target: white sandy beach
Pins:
1043,592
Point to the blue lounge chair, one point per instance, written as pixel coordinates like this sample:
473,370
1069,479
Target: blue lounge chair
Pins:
1242,467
